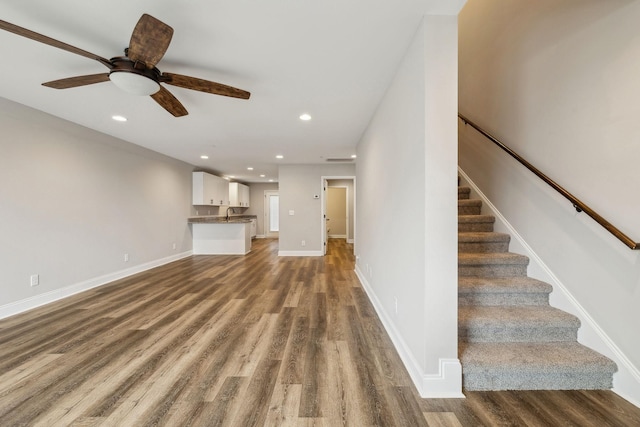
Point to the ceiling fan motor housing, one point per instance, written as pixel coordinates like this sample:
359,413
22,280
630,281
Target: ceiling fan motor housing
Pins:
134,77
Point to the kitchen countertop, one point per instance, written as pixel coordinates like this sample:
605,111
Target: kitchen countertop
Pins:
214,219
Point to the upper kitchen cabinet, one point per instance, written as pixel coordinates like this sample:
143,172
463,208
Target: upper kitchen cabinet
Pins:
210,190
239,195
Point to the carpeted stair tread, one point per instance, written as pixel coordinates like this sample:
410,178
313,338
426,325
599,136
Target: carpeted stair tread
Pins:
462,219
468,223
491,258
463,192
534,366
503,285
492,264
516,323
516,291
470,202
469,206
483,242
476,236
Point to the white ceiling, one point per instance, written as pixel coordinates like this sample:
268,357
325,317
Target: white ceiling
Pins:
330,58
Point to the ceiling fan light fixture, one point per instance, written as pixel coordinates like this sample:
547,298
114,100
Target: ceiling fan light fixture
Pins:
133,83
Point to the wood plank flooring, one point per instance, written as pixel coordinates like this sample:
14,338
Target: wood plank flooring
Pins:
242,341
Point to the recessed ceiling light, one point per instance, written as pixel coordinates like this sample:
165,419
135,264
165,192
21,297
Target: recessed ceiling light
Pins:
279,156
249,168
119,118
262,175
353,156
204,157
305,117
227,178
270,180
232,176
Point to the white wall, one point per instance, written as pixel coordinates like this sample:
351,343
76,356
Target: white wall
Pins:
558,82
257,202
297,186
406,243
74,201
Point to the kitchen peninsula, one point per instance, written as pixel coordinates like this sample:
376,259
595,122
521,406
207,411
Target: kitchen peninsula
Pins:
215,235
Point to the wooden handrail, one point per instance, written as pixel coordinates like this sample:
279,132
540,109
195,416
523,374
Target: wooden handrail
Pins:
577,204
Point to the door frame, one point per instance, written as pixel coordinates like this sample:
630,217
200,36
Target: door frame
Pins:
323,209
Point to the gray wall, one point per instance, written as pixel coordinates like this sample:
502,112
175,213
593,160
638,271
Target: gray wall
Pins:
298,185
558,82
74,201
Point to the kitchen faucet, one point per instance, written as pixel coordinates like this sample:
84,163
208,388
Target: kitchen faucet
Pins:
232,211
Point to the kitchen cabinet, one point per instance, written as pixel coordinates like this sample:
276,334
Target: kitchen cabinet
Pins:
209,190
239,195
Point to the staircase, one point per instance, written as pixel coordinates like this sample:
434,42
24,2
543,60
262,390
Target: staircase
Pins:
510,338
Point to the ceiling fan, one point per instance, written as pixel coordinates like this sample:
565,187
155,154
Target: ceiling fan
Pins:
135,72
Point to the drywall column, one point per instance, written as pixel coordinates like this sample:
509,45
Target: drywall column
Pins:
443,370
407,254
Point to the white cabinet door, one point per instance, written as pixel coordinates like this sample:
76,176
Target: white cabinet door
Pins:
222,195
244,195
209,190
238,195
234,194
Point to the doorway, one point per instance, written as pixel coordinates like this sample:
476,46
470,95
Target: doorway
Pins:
337,212
338,221
271,214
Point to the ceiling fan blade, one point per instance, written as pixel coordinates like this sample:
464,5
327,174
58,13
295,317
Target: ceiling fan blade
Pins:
201,85
77,81
169,102
52,42
149,41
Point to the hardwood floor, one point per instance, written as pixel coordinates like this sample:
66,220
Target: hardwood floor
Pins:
242,341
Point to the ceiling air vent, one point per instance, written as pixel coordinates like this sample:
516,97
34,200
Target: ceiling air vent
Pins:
339,160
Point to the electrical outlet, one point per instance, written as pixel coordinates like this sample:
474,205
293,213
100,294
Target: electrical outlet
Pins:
35,279
303,243
174,246
126,257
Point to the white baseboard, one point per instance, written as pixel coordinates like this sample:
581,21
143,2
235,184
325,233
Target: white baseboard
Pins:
349,240
260,236
447,383
26,304
300,253
626,382
337,236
